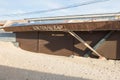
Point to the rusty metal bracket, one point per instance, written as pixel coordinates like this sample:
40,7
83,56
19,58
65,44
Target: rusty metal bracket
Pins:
82,41
99,43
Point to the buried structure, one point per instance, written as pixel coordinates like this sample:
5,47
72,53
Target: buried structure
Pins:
80,35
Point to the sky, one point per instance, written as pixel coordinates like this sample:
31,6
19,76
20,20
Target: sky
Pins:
23,6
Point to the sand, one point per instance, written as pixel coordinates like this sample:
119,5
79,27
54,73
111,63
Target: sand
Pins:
18,64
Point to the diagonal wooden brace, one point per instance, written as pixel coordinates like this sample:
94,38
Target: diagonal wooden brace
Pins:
99,43
82,41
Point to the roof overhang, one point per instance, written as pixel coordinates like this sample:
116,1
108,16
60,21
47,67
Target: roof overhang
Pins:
84,26
94,22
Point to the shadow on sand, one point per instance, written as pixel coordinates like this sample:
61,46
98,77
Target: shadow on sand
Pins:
10,73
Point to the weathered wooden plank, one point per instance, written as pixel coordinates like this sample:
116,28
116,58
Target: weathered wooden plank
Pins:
86,26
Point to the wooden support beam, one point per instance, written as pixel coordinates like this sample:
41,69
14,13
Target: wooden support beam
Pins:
82,41
99,43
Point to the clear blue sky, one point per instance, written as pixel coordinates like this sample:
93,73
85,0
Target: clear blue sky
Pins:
21,6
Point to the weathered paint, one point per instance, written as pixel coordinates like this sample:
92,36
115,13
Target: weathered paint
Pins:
86,26
61,43
28,40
